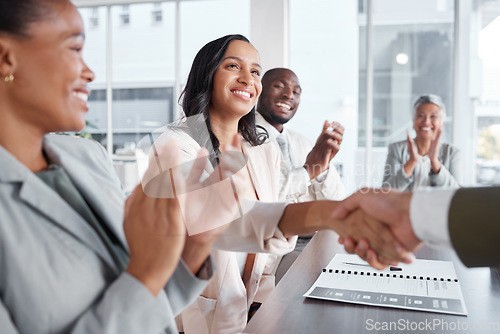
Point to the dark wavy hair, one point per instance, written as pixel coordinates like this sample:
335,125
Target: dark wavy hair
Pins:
16,16
198,92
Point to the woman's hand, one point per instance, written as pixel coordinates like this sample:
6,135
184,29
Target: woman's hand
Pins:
155,230
156,218
212,206
434,151
409,166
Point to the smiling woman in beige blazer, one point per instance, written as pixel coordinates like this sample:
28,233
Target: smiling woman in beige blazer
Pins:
242,278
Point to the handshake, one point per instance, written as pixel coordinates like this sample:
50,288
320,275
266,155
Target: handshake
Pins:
377,226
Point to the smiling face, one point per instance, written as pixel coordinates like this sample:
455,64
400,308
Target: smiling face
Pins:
427,121
280,97
50,87
236,83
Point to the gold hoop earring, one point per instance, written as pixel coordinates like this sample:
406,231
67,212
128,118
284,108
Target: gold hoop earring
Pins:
9,78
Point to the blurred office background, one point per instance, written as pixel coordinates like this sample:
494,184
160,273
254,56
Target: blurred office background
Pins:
360,62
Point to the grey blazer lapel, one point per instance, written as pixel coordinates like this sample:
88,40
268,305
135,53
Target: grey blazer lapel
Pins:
35,193
99,186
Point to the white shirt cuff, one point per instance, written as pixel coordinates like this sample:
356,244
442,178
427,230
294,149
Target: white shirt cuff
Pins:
429,216
307,180
321,177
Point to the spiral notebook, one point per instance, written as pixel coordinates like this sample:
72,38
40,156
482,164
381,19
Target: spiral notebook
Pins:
424,285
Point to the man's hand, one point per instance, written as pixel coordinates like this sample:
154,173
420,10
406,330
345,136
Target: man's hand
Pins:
360,226
387,206
326,147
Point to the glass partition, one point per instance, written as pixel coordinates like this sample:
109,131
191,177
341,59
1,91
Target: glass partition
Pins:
412,50
486,31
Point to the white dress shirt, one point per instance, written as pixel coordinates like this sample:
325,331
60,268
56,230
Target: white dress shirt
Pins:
429,215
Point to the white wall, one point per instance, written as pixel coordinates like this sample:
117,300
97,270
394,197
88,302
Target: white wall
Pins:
269,31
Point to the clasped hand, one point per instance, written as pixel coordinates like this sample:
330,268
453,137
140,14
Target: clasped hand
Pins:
386,218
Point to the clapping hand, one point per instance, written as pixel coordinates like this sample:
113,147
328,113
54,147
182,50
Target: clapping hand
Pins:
326,147
155,230
409,166
434,151
412,147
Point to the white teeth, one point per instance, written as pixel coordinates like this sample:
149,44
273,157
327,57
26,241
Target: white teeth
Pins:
286,106
239,92
82,96
426,128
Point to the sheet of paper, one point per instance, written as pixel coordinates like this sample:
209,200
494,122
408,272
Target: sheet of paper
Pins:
425,285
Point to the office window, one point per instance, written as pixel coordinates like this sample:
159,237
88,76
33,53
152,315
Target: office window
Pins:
94,54
324,57
412,55
362,6
157,14
203,21
125,15
143,69
144,65
94,17
143,74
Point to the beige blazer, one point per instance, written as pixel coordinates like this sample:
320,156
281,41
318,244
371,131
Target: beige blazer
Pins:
223,306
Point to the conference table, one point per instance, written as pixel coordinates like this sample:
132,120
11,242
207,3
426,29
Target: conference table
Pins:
287,311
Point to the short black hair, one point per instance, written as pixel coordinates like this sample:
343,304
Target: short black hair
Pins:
272,71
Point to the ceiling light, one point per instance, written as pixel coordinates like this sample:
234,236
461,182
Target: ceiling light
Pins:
402,58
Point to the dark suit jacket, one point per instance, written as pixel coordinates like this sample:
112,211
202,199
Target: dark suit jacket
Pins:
474,225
